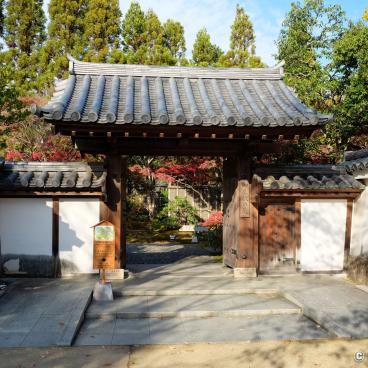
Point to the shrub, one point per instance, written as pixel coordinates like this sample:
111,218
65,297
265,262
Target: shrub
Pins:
138,215
165,224
183,211
214,224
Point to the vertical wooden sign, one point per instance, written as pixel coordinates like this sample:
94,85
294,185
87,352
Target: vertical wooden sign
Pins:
244,198
104,245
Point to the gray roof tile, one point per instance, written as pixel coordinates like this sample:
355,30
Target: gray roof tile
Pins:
356,161
306,177
140,94
51,176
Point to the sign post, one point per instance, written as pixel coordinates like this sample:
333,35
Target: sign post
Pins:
103,257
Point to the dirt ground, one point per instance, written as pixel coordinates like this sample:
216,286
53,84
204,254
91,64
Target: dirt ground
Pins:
275,354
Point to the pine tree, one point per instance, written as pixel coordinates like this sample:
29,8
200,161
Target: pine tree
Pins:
66,26
133,27
174,39
155,54
204,52
24,35
24,25
65,35
102,29
242,43
147,41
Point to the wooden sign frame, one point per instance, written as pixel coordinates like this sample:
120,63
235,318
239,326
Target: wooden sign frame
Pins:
104,245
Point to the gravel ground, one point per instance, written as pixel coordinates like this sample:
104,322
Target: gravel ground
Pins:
165,253
265,354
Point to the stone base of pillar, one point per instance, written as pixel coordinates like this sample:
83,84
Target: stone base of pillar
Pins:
245,272
116,274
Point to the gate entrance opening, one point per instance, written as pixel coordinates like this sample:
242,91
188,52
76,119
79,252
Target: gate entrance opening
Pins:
239,114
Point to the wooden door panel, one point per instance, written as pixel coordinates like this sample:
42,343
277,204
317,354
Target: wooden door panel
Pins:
277,245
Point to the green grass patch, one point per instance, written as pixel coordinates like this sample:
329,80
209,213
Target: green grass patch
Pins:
218,258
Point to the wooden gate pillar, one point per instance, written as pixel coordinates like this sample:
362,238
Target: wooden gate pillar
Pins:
240,236
114,207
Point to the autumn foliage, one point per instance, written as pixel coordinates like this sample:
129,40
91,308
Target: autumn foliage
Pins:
30,139
196,171
215,219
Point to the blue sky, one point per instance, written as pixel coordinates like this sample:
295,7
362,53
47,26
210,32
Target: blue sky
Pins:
217,16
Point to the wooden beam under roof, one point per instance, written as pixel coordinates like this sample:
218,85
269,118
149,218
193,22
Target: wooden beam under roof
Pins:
179,131
175,147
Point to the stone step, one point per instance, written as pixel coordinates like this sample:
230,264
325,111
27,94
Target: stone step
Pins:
194,330
194,314
192,306
181,292
207,270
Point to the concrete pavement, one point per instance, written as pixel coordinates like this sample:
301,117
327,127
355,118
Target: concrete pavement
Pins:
43,312
204,303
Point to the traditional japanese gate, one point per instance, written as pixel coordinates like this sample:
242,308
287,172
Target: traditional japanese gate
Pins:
122,110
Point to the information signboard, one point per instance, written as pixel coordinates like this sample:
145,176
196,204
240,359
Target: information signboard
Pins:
104,245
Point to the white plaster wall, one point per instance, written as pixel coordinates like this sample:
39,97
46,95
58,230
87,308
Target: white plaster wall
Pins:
323,224
26,226
76,216
359,228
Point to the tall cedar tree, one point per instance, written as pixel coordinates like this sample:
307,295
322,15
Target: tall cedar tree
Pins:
133,27
204,52
242,51
65,33
174,38
24,34
147,41
305,43
102,29
24,25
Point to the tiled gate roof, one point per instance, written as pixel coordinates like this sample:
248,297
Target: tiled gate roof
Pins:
140,94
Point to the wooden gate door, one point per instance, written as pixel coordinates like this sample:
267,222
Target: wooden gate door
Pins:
277,237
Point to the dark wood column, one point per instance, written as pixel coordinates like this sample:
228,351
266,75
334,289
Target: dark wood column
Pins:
240,239
114,207
231,223
55,236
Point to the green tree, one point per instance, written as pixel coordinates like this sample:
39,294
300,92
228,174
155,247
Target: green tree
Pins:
102,29
133,27
174,38
242,51
24,25
147,41
153,39
2,17
204,52
11,108
65,35
24,34
305,43
350,61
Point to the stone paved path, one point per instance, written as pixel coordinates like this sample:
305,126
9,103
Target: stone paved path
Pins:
165,253
43,312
